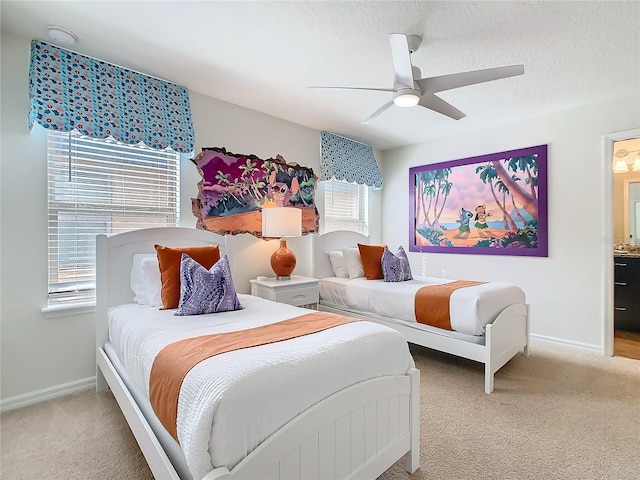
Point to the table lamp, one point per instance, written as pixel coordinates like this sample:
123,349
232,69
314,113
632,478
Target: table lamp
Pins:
280,222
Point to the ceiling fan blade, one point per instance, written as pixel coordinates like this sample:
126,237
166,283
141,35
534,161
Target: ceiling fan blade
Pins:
401,59
457,80
356,88
377,112
435,103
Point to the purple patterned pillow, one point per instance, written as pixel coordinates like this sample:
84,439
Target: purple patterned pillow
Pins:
206,291
395,268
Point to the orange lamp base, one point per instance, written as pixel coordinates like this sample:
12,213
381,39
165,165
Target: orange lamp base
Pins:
283,261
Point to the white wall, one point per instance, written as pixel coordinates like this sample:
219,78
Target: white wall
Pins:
41,351
565,290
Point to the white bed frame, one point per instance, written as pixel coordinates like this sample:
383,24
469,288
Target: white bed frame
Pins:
504,338
358,432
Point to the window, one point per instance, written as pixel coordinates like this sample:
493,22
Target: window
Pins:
346,206
101,186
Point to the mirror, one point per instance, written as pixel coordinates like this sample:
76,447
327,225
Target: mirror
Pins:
636,218
632,211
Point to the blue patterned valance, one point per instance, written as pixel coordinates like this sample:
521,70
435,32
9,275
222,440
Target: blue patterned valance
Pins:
71,91
345,159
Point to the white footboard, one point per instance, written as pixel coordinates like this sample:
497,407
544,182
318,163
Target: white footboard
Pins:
356,433
506,336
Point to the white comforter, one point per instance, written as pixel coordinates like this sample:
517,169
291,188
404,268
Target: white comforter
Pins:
471,308
231,402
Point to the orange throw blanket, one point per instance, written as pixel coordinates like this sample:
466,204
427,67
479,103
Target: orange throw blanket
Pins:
176,359
431,303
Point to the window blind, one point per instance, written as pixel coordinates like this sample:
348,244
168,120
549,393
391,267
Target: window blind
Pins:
345,206
101,186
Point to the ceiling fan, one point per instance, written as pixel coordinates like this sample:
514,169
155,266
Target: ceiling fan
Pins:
410,90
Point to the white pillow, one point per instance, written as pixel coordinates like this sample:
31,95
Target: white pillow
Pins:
353,262
337,264
136,279
145,279
152,280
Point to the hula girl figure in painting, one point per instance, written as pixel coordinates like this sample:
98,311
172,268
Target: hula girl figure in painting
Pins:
481,217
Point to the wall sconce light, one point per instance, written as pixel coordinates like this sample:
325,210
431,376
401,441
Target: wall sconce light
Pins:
281,222
620,164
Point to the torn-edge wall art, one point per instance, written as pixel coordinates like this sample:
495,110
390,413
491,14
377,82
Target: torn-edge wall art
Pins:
492,204
234,189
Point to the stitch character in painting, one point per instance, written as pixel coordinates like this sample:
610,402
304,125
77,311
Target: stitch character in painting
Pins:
463,220
281,186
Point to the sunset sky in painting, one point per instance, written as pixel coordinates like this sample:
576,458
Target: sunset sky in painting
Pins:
468,192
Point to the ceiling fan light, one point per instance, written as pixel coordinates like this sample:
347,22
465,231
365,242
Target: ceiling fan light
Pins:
406,100
621,166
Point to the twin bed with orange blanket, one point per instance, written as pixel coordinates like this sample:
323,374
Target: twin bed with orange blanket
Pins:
483,321
266,391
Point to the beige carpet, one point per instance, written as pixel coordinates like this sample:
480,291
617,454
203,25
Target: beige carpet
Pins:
558,414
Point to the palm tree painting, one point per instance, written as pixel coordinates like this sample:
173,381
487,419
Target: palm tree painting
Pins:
234,189
492,204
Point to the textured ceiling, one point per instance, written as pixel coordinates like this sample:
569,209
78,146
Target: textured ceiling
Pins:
263,55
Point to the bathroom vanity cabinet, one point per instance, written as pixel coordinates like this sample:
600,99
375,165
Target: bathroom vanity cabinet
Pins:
627,293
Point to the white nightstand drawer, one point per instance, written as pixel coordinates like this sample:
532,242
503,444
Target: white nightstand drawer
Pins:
298,296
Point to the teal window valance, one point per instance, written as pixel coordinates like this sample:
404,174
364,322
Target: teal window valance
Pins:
69,91
345,159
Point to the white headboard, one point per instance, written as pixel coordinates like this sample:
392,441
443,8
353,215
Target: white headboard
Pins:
249,257
332,241
114,257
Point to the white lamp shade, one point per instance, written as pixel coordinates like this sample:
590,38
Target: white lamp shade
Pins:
281,222
620,166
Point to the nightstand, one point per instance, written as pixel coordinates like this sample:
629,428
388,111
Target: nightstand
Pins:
299,291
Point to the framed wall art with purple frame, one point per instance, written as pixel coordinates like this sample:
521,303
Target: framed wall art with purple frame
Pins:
492,204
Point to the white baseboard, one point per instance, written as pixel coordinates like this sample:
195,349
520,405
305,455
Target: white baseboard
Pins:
45,394
568,343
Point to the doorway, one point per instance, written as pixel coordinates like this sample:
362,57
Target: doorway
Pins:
623,323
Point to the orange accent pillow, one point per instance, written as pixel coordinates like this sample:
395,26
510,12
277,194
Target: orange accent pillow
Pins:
169,263
371,256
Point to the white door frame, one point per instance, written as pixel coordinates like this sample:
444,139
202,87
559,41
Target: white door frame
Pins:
607,155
